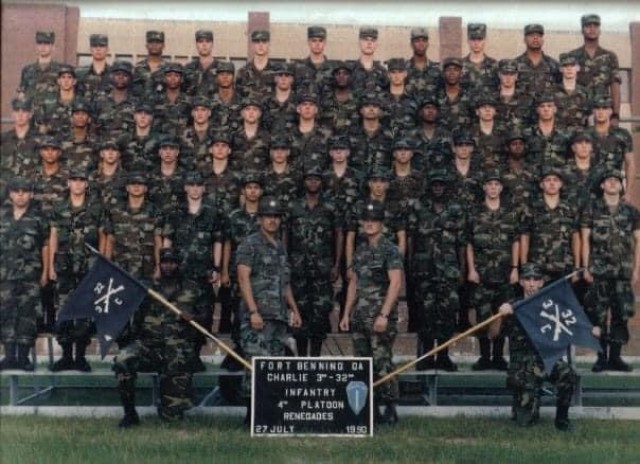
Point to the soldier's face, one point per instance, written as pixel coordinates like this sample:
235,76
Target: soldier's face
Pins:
204,47
437,189
508,79
220,150
20,197
307,110
371,227
99,52
136,190
486,113
21,117
534,41
370,111
611,186
378,187
569,71
270,223
50,155
260,47
403,155
44,49
591,31
342,78
420,46
531,285
516,148
582,149
169,154
77,186
602,115
155,47
121,79
368,45
279,155
476,45
546,111
109,155
80,119
312,184
224,80
316,45
252,191
397,76
173,80
339,155
168,267
66,82
194,191
251,114
429,113
492,189
463,151
143,119
200,114
284,82
452,74
551,184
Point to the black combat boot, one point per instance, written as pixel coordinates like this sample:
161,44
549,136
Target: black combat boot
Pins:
315,347
562,421
390,415
424,346
484,361
601,363
127,390
9,361
81,363
444,361
615,361
65,363
24,362
302,344
497,361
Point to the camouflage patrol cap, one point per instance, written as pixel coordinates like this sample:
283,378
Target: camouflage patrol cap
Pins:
169,254
201,101
252,178
49,141
80,104
397,64
66,69
19,183
193,178
155,36
307,97
137,177
419,33
123,66
21,104
341,65
476,31
403,143
590,19
492,174
370,99
219,136
269,206
168,140
515,134
486,98
551,170
534,29
109,143
251,101
429,99
98,40
260,35
173,67
205,34
283,68
581,135
463,137
438,175
313,171
368,32
378,173
280,141
226,67
316,31
451,61
373,210
507,66
78,173
530,271
602,102
47,37
612,172
144,107
337,142
566,59
545,97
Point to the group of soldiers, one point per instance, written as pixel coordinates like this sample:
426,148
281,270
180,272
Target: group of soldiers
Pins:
473,166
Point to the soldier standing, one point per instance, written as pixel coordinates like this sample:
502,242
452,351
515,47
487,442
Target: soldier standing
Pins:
309,144
572,98
200,73
250,143
78,143
537,71
514,102
114,109
140,146
370,140
478,70
312,74
402,107
53,114
147,73
280,108
369,76
455,102
339,106
255,79
610,230
546,139
38,80
23,233
226,102
282,180
434,140
371,310
195,138
423,75
18,145
172,107
94,79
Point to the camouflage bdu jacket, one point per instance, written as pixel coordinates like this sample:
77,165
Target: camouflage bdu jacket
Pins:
19,155
343,191
611,149
270,275
597,73
222,189
37,82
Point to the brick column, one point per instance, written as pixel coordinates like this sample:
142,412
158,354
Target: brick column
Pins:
450,30
634,32
256,20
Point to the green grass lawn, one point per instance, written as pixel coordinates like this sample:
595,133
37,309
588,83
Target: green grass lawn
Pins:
25,440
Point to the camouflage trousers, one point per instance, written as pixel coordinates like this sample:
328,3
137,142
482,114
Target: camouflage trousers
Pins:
270,341
19,311
525,378
487,298
314,297
77,330
379,346
172,360
611,295
440,306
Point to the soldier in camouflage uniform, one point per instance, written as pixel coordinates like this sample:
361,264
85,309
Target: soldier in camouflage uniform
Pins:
226,102
313,74
493,253
369,76
599,70
436,257
279,108
172,107
455,102
478,70
23,233
537,71
546,139
78,144
222,184
371,310
148,73
166,180
489,135
464,171
162,343
582,173
255,79
315,240
250,143
194,139
519,181
281,179
114,110
52,114
74,223
140,145
264,278
610,230
401,108
339,105
38,80
200,73
434,140
95,78
423,75
370,140
526,373
571,98
109,179
309,144
514,102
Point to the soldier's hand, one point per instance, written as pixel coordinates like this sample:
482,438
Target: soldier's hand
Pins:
344,323
505,309
44,279
156,272
514,276
296,320
334,274
473,276
256,321
53,275
380,324
225,281
596,331
214,277
587,276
